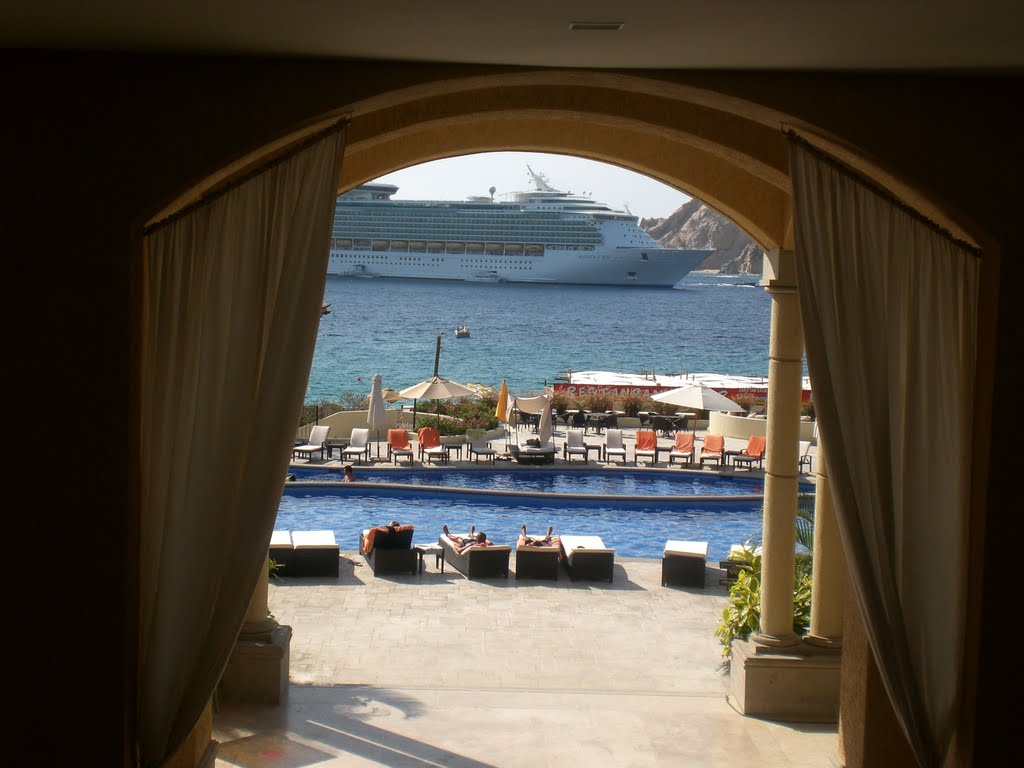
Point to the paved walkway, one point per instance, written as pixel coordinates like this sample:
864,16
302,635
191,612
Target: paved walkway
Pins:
437,670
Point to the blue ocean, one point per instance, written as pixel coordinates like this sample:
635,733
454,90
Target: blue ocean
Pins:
528,334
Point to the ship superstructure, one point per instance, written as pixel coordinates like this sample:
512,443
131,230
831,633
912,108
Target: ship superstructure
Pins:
538,236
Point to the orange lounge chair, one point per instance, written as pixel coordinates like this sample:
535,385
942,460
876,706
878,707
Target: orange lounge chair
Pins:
398,445
430,444
713,449
683,448
646,445
753,452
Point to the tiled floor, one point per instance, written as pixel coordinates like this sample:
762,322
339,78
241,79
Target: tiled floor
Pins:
437,670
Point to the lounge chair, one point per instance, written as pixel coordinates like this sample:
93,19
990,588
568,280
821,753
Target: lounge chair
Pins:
316,553
753,452
536,561
430,445
613,445
388,549
683,448
713,449
476,562
646,446
575,446
359,446
683,562
317,438
282,552
586,557
526,453
805,456
398,445
478,445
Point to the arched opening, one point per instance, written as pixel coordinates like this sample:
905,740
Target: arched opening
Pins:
732,157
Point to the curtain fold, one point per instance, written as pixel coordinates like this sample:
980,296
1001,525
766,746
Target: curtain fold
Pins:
232,290
889,308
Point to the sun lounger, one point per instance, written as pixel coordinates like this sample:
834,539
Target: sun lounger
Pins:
398,445
477,562
317,438
388,549
282,552
538,562
316,553
683,563
586,557
533,454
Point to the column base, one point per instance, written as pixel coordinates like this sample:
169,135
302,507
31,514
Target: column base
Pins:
820,643
796,684
257,672
789,640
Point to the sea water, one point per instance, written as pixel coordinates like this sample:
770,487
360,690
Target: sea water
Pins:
528,334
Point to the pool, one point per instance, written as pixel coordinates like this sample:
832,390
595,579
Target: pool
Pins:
618,482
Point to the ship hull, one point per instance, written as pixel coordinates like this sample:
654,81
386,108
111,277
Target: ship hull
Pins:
641,267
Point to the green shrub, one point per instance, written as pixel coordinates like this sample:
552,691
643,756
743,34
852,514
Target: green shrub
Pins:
632,403
561,402
596,402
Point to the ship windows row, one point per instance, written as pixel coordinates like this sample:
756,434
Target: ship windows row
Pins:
454,247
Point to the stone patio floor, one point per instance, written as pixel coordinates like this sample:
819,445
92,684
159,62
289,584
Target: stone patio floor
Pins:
437,670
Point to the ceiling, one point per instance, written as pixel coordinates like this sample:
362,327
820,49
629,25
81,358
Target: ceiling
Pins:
922,35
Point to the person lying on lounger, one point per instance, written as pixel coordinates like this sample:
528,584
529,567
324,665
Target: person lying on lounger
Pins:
535,541
475,538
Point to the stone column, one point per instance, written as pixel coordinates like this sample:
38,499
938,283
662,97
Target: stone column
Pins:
258,623
785,377
829,573
257,672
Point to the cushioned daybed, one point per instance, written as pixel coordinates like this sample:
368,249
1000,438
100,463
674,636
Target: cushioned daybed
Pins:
586,557
316,553
388,549
682,563
532,454
534,562
477,562
282,552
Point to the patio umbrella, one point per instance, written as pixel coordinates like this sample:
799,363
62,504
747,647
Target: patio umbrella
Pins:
501,410
391,395
435,388
376,415
697,396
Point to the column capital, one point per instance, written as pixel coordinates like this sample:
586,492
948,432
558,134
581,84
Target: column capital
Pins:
779,272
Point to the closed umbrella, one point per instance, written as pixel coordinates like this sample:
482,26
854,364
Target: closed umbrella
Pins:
697,396
376,415
501,410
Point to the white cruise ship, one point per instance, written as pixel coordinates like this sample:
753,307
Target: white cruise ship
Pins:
539,236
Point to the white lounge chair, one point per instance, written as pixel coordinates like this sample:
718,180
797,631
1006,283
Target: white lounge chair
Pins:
613,445
359,445
574,445
478,445
315,442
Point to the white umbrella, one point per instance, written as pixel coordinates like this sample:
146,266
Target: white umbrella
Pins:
435,388
376,415
697,396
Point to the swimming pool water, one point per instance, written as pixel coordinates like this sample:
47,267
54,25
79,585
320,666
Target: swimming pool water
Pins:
623,482
632,528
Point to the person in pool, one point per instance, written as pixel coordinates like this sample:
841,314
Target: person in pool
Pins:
475,539
349,476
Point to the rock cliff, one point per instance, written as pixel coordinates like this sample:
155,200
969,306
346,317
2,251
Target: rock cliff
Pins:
694,225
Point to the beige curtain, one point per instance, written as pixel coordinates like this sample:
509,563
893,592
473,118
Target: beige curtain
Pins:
888,305
232,294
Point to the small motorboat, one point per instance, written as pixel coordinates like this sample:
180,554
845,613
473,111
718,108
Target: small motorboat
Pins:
461,332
